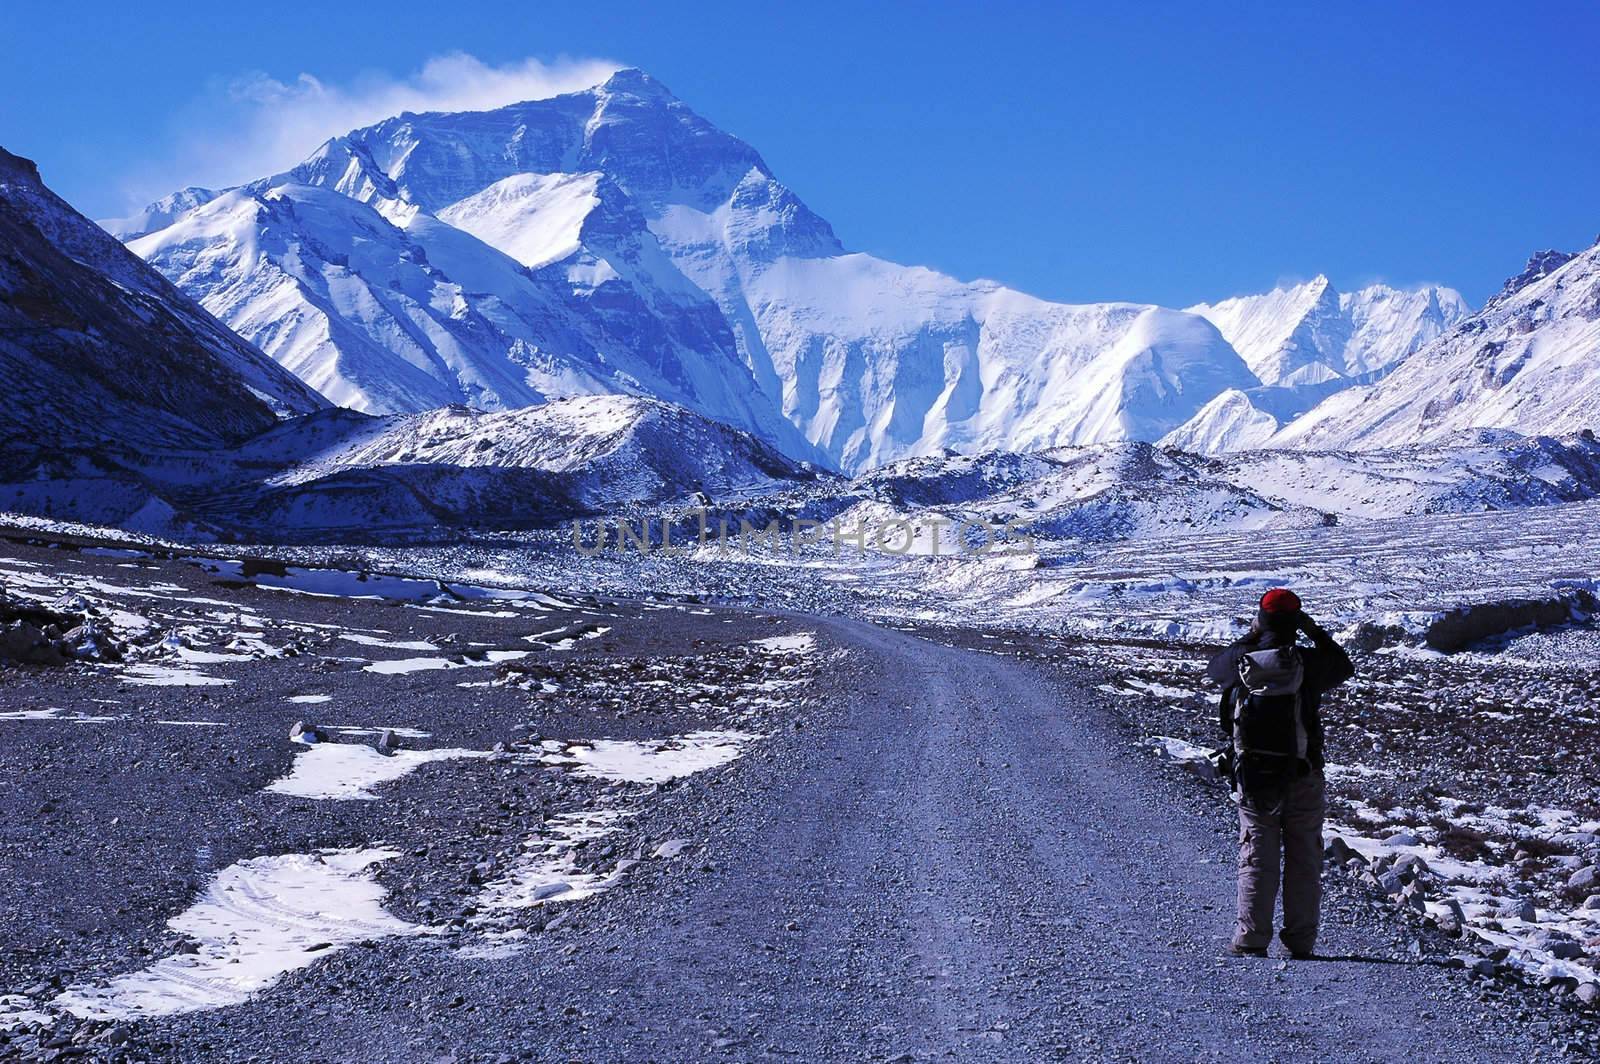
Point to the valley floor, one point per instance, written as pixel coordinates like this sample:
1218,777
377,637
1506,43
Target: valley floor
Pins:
644,830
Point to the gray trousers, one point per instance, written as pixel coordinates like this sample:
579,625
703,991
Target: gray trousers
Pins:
1284,828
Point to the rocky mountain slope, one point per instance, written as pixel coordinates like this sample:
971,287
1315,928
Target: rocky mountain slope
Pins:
612,240
343,476
99,351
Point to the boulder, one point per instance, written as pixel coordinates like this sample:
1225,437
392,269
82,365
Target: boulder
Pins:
1584,879
1520,909
13,611
24,643
1414,897
1339,850
90,642
1412,864
309,734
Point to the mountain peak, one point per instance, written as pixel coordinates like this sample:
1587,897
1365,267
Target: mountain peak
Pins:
27,167
635,82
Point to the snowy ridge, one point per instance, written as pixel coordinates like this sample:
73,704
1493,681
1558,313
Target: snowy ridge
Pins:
1529,362
347,476
1310,333
1230,422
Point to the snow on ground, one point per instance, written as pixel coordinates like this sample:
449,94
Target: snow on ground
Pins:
545,872
651,761
264,916
348,771
258,920
168,676
402,666
56,713
799,643
391,644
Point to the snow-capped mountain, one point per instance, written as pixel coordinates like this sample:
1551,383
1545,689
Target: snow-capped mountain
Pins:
1308,334
1307,342
98,350
613,240
160,214
385,308
1528,362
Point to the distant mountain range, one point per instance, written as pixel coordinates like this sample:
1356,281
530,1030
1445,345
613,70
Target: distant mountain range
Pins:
506,319
614,241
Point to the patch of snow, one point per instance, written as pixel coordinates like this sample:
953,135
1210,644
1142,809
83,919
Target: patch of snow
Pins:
169,676
546,873
652,760
257,921
401,666
349,771
799,643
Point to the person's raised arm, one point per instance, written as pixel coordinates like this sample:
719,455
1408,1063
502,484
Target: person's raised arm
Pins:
1333,665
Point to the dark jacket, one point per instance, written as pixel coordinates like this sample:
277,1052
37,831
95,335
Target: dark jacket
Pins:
1326,667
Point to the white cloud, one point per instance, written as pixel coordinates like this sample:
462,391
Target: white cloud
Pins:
258,125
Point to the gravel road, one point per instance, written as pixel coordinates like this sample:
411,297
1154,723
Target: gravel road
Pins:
961,857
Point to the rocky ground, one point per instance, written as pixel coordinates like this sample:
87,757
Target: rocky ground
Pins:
129,787
605,830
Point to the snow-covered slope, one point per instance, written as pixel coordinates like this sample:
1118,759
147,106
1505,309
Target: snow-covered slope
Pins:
398,311
1528,362
344,474
1230,422
537,219
877,361
680,268
632,449
99,350
1310,333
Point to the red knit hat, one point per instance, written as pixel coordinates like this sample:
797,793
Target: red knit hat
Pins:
1280,600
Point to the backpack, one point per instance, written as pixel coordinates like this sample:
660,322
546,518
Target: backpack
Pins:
1269,730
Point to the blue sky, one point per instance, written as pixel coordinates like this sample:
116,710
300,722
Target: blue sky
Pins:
1162,153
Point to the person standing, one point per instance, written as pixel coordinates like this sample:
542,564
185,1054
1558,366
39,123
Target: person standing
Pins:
1271,712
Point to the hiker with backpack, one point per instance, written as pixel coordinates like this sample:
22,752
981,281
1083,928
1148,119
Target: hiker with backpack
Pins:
1272,688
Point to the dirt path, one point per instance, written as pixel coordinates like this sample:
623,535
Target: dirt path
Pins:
968,866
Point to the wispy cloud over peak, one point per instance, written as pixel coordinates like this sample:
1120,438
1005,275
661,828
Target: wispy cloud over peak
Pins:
257,124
